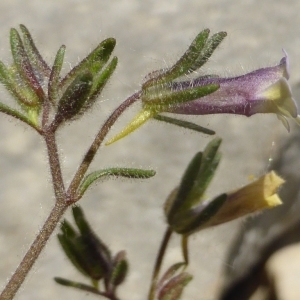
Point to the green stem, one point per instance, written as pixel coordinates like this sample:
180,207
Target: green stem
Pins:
158,263
184,248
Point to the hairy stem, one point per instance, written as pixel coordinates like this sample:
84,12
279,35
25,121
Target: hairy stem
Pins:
158,263
90,154
33,253
41,239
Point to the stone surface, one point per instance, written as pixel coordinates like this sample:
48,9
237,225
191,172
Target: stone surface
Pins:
126,214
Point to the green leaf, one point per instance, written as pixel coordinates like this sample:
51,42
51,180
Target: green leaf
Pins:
16,114
210,162
96,249
93,63
33,54
73,100
174,288
68,230
101,79
77,285
73,253
187,183
184,124
53,86
208,50
117,172
120,269
170,273
23,65
184,64
205,215
80,221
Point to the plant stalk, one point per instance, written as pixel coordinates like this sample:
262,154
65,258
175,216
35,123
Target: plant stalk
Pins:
33,253
41,239
158,262
90,154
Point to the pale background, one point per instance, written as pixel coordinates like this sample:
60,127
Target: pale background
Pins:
127,214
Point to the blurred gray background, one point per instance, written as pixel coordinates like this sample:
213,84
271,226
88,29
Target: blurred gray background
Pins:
128,214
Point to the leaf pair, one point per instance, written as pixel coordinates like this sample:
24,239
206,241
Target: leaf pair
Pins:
35,85
91,256
181,207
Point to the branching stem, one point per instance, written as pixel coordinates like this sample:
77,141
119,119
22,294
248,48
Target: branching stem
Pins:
90,154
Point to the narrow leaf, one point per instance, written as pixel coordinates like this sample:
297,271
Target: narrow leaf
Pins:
68,230
78,285
16,114
187,182
17,87
98,84
23,64
169,274
210,162
35,57
120,269
33,53
117,172
174,288
184,124
74,98
101,79
95,247
184,65
208,50
53,85
72,253
93,62
80,221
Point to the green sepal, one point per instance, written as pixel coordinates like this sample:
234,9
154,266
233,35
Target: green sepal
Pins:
97,248
170,273
53,86
184,124
23,64
205,215
74,98
34,56
163,100
116,172
177,204
94,62
208,49
101,79
210,161
184,65
119,270
68,230
80,221
73,253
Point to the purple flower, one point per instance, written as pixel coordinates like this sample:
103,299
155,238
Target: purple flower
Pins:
264,90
